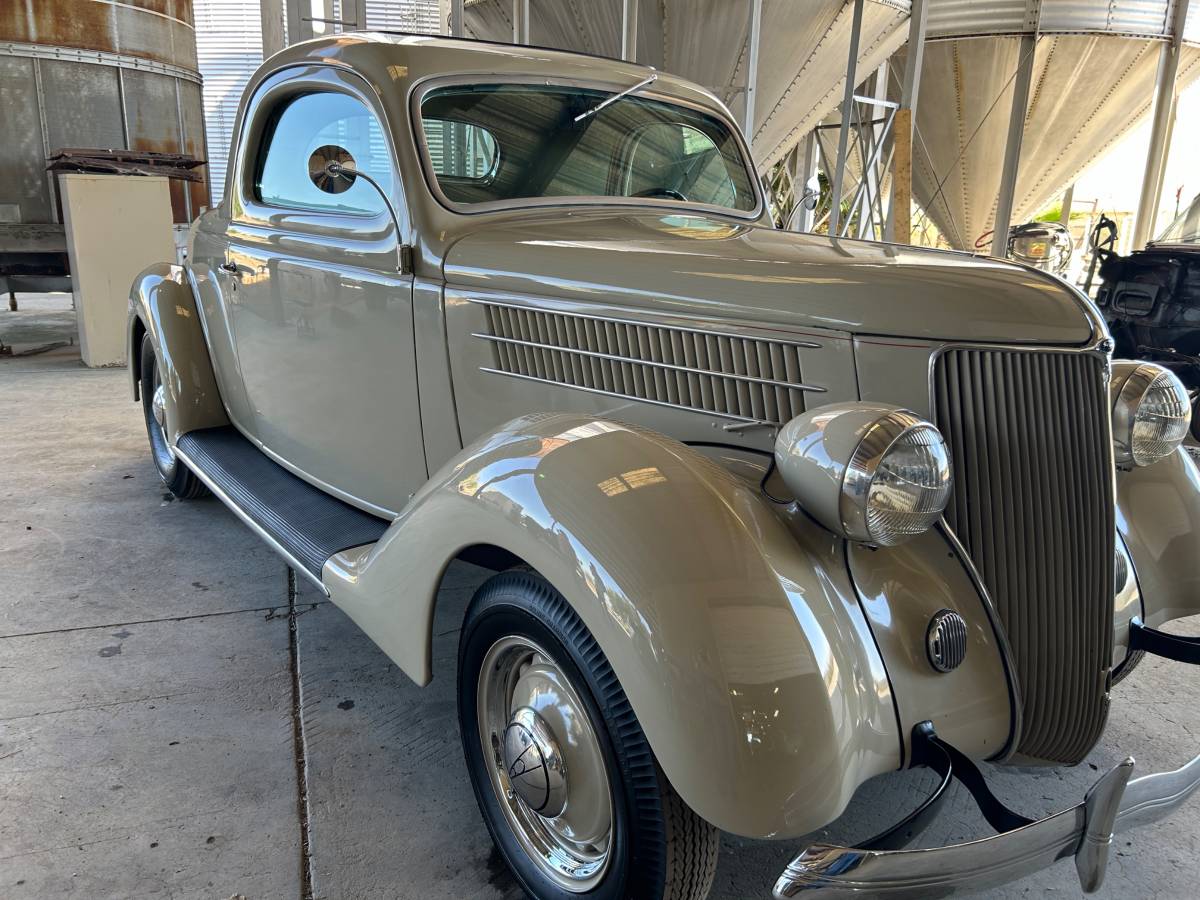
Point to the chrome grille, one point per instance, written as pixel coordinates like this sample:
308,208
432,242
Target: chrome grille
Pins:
1033,506
750,379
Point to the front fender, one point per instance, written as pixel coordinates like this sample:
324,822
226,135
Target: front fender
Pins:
1158,515
740,643
161,303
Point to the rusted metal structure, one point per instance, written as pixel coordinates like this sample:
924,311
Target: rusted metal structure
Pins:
95,74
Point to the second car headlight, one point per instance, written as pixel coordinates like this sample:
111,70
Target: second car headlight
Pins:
874,474
1151,412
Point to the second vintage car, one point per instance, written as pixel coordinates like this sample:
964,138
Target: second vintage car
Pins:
771,513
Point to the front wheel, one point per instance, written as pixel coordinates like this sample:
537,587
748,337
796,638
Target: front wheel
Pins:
179,479
567,783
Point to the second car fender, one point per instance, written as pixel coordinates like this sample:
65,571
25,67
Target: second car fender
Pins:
161,299
746,657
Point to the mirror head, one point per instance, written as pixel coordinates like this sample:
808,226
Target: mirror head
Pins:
331,169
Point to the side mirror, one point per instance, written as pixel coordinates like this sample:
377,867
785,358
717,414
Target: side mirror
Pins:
318,169
345,173
812,193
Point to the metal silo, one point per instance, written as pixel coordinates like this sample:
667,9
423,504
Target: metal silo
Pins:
801,52
89,74
1091,71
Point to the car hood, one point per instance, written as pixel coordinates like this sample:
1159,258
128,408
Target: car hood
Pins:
694,265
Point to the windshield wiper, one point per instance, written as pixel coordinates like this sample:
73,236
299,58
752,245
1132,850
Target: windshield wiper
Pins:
648,80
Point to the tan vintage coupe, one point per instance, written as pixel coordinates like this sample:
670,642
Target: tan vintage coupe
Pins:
771,513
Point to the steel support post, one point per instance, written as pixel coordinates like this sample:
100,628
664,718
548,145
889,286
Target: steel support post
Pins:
1068,198
1160,130
354,15
272,15
755,35
899,220
299,26
806,162
456,18
520,20
1012,147
629,29
839,168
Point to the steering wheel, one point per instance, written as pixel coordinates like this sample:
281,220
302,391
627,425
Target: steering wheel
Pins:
661,192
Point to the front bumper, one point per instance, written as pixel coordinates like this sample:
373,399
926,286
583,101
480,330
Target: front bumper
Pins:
1022,846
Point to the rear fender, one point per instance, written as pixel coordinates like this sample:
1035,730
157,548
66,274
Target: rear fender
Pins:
739,642
161,304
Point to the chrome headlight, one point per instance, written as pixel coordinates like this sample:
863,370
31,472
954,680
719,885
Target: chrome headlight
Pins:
874,474
1151,412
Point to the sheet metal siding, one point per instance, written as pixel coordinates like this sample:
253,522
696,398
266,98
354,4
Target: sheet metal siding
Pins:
693,370
1151,18
86,73
1033,505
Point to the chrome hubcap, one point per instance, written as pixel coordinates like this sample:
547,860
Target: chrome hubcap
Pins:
159,405
534,764
546,766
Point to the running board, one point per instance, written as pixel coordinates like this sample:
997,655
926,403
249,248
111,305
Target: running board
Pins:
301,523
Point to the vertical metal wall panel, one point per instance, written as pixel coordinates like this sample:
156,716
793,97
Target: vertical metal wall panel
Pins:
22,157
191,108
82,105
403,15
228,50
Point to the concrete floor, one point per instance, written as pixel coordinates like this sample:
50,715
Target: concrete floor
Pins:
170,726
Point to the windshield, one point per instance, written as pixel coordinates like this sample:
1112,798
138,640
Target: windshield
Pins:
1186,227
509,142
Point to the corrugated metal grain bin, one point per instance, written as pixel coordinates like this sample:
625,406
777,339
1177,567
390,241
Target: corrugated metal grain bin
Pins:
85,73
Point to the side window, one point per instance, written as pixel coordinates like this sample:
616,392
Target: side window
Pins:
461,150
306,134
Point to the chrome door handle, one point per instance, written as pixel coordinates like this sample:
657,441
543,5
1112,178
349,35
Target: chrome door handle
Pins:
230,267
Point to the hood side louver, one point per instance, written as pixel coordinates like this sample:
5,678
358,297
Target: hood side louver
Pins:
743,378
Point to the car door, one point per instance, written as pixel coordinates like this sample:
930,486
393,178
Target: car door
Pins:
322,317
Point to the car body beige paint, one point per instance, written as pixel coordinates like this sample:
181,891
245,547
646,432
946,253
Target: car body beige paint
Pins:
738,640
1159,518
711,602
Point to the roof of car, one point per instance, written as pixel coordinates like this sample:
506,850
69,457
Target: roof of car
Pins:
384,58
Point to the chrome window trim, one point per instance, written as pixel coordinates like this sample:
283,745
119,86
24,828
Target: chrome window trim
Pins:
421,88
284,85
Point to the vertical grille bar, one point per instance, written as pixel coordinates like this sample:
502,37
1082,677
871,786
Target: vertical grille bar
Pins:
1033,506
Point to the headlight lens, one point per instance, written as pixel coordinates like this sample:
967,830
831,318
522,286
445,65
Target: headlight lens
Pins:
898,481
1151,413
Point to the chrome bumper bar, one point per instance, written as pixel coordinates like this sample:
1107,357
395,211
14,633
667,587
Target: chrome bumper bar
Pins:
1085,832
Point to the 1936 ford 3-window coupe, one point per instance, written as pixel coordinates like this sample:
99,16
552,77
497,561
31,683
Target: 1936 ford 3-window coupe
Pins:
770,513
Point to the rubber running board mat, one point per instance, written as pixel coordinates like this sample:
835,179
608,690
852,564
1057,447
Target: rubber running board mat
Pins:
308,523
